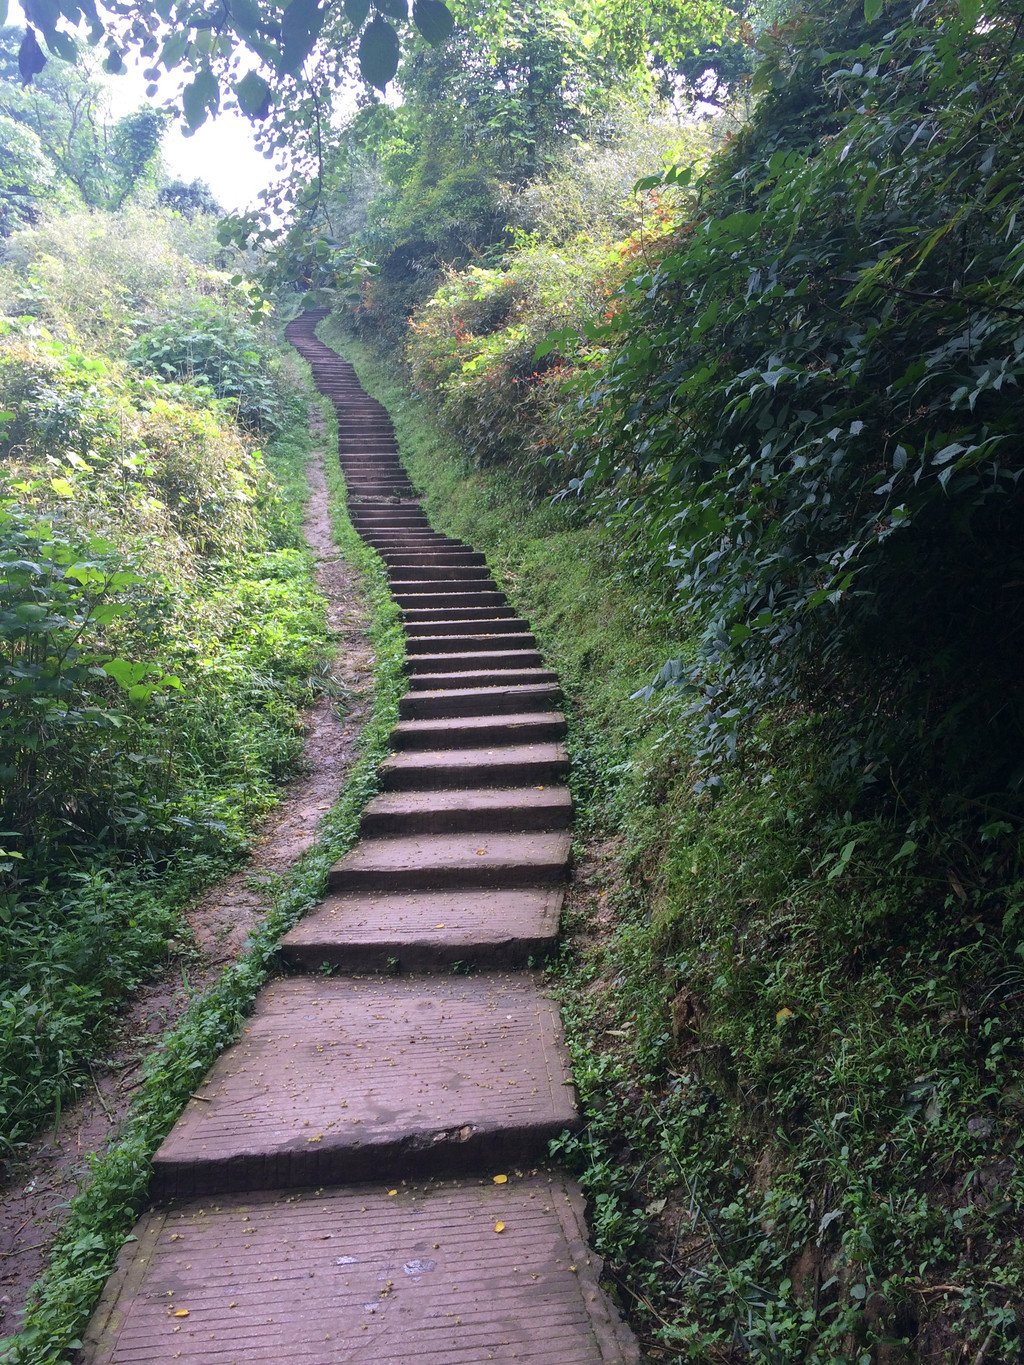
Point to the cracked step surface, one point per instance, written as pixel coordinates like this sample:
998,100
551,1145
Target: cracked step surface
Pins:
518,765
427,930
479,701
336,1080
473,732
495,810
422,861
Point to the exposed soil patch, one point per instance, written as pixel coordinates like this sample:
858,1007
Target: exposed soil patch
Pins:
35,1190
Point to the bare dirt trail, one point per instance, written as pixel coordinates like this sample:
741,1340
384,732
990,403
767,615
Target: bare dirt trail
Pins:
35,1190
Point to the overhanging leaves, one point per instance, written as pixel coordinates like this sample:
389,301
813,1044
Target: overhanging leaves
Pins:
433,19
379,52
300,28
254,96
200,98
31,58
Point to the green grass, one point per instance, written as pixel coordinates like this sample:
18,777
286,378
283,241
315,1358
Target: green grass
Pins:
797,1035
102,1215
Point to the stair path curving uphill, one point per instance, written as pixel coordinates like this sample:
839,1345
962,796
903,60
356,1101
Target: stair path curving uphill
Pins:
329,1195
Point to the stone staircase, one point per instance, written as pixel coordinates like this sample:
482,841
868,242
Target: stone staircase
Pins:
356,1180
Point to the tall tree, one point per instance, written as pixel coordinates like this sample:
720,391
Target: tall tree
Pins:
102,159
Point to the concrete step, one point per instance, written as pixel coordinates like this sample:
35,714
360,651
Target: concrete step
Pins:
443,557
400,575
338,1079
476,732
411,542
473,660
469,643
505,810
514,765
460,625
509,677
480,701
426,861
424,615
405,1275
490,598
426,930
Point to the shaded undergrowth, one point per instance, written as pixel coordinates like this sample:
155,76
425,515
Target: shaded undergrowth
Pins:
796,1033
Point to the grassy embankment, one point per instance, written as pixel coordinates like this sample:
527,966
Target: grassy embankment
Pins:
101,1216
795,1041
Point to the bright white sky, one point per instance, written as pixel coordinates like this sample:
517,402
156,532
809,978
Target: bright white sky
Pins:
221,152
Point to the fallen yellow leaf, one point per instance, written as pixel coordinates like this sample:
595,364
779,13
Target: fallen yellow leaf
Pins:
181,1313
391,1193
501,1180
783,1014
438,926
499,1227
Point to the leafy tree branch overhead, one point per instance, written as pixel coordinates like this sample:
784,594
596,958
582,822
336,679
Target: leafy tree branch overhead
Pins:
212,45
263,57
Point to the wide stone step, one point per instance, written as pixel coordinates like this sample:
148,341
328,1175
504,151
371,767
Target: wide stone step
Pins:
468,643
407,863
399,575
447,682
406,558
425,615
475,732
410,542
418,600
475,660
360,482
480,701
337,1079
407,1274
502,810
514,765
426,930
366,487
456,624
472,579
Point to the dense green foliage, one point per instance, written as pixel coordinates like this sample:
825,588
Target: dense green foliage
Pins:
159,631
102,1215
205,345
798,1046
812,395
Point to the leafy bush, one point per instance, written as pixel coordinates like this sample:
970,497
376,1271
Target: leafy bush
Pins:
809,426
206,346
473,345
159,629
101,278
